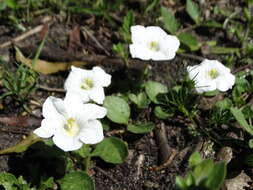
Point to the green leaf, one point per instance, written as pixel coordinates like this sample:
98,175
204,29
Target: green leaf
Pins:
111,150
21,146
181,183
128,21
212,24
251,143
217,176
77,181
118,109
193,10
224,50
169,20
237,113
202,170
161,113
152,5
141,100
141,128
189,40
7,180
153,88
224,104
194,159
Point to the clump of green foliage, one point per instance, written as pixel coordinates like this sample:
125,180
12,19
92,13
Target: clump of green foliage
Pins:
204,174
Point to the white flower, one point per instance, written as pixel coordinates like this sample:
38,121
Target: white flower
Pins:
152,42
88,84
70,122
210,75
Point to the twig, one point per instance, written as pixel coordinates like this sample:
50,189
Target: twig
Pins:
190,56
60,55
167,163
244,67
162,142
191,27
24,35
106,174
139,164
115,132
93,38
49,89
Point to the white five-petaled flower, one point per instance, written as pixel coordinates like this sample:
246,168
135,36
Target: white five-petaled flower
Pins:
210,75
70,122
152,42
88,84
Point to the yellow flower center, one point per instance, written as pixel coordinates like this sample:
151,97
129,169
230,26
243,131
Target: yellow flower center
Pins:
153,46
87,84
213,73
71,127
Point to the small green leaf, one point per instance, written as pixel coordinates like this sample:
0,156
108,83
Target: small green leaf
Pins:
128,21
77,181
153,88
7,180
217,176
118,109
141,100
211,93
181,183
224,104
194,159
141,128
237,113
161,113
193,10
111,150
189,40
169,20
224,50
202,170
212,24
251,143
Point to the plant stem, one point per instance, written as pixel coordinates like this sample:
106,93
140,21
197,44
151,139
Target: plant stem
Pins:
87,163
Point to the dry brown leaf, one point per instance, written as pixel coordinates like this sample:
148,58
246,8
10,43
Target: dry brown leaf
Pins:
74,39
46,67
237,183
20,121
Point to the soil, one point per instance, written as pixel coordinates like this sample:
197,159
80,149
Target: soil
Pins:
144,168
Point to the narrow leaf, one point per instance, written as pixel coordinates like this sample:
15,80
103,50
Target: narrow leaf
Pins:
21,146
237,113
169,20
141,128
193,10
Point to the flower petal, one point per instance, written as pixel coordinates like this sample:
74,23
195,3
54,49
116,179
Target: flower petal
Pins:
92,133
97,94
91,111
138,51
138,34
53,108
102,77
67,143
47,128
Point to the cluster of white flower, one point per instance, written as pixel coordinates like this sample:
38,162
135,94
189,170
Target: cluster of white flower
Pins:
74,121
153,43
